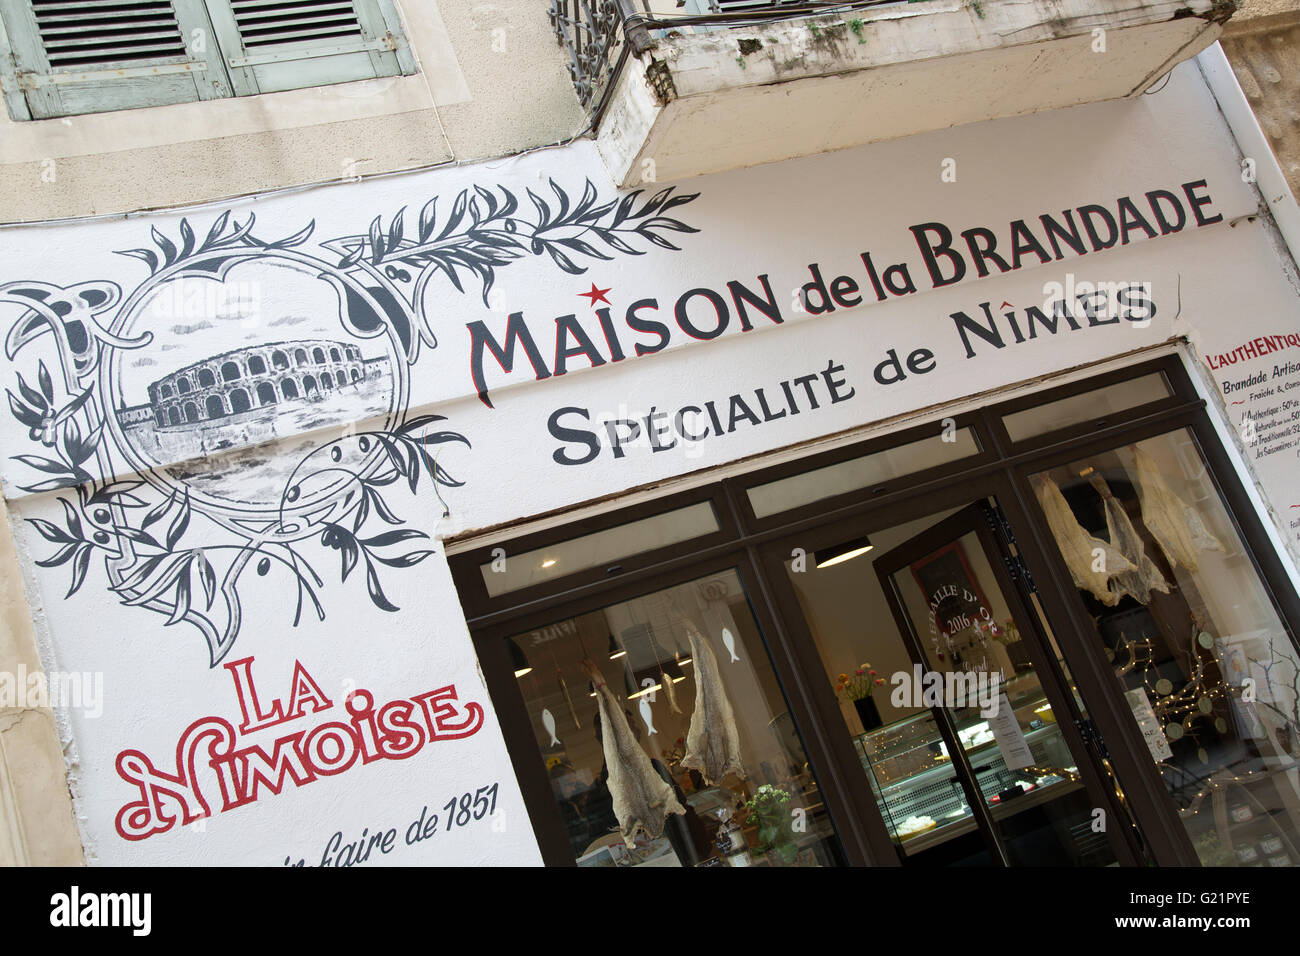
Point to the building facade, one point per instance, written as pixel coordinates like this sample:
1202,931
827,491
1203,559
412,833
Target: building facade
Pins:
718,435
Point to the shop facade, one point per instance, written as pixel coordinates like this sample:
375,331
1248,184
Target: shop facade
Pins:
494,515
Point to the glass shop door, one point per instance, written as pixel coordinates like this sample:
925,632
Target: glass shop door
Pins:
962,716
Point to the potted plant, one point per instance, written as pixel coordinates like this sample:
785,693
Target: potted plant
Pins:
858,688
768,809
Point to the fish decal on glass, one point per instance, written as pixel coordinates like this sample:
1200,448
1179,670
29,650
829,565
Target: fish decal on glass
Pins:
643,705
548,721
729,642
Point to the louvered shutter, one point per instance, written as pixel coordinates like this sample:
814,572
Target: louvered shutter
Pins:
272,45
91,56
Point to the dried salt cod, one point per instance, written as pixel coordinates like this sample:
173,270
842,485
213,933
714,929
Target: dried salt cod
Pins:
1176,526
712,742
1143,576
641,798
1078,547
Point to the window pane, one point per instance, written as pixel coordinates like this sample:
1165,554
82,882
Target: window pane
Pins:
963,629
1209,669
689,755
577,554
803,489
1086,407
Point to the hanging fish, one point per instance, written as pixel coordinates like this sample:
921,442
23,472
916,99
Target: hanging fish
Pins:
1176,526
729,642
1079,549
1143,577
641,798
712,742
669,690
568,699
643,705
548,721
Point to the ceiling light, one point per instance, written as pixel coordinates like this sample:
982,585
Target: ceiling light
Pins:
548,563
681,657
646,690
615,652
829,557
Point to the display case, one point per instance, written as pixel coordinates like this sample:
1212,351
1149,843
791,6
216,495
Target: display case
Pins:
918,790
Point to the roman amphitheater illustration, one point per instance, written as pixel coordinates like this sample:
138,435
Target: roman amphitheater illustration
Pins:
250,379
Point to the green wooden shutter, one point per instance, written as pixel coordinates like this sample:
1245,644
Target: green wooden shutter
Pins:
91,56
272,45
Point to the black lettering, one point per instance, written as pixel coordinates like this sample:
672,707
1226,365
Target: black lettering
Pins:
916,361
1055,231
566,326
1023,240
679,423
842,291
818,286
1129,219
656,424
1112,232
806,381
739,410
741,295
638,324
1153,200
875,279
1198,201
719,307
883,373
1036,316
768,416
1094,309
899,279
966,324
944,248
575,435
516,333
979,254
833,384
611,337
617,441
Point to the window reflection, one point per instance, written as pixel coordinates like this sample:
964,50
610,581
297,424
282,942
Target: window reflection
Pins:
666,736
1209,670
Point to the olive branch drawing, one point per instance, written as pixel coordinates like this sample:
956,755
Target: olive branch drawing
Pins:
143,540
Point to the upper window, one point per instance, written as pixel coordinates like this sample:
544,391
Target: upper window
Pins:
91,56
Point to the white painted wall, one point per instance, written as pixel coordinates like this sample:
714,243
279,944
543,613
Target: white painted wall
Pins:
1210,284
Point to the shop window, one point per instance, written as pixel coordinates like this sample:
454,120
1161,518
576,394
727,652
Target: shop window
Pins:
665,735
945,667
101,55
507,572
1206,664
901,560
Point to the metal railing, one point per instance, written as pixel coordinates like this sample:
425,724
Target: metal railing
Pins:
592,33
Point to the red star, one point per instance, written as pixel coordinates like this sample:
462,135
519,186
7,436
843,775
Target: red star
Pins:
596,295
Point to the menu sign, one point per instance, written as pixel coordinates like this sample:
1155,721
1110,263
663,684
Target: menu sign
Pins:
1011,739
1260,381
1149,724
